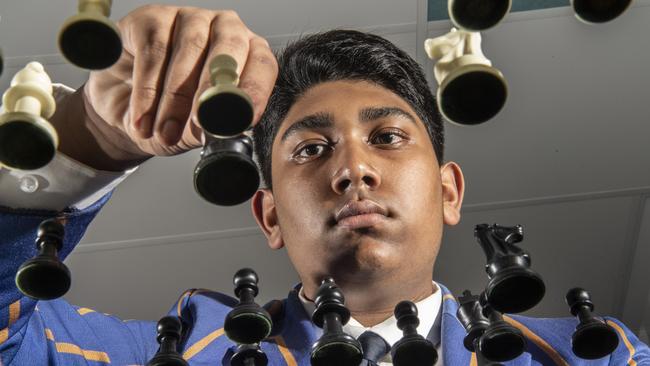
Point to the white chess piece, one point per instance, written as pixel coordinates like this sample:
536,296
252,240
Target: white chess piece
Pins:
477,15
27,140
89,39
599,11
470,89
224,97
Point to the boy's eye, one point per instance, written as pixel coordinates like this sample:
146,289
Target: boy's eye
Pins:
310,151
388,137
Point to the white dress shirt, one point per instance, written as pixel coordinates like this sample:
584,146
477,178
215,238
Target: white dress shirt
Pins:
428,310
61,184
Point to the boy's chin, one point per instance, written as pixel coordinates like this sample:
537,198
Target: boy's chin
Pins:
368,260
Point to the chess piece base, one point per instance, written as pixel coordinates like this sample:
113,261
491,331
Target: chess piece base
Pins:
90,41
472,94
594,340
27,142
225,111
43,278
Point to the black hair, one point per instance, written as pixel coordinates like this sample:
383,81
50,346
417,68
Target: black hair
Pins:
344,55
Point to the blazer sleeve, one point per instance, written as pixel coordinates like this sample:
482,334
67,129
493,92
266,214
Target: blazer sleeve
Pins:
630,351
38,331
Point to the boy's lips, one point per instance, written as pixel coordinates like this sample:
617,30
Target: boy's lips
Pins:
360,214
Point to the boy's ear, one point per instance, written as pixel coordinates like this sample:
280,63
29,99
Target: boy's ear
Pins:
263,206
453,190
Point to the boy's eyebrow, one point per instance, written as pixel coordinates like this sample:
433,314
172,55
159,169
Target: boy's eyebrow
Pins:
322,120
373,113
311,122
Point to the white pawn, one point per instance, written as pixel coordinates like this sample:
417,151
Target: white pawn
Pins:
224,110
27,140
89,39
470,90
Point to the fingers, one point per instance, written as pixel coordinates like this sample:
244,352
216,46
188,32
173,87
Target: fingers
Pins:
149,37
188,53
172,48
259,74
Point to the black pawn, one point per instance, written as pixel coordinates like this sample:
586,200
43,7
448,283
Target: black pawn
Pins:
412,349
334,348
169,334
226,175
247,322
593,338
249,355
45,277
501,341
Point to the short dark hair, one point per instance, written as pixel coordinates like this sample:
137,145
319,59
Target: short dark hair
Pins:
344,55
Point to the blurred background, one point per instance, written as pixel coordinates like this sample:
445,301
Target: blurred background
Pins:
568,158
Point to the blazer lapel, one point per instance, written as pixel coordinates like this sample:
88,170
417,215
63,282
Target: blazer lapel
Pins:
453,351
298,332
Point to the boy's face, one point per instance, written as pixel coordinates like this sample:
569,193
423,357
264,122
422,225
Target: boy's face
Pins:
358,193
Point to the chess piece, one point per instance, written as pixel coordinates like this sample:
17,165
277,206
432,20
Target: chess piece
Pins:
488,335
334,347
249,355
226,174
501,341
412,349
2,63
593,338
169,334
470,90
247,322
45,277
89,39
599,11
512,287
470,314
477,15
27,140
224,109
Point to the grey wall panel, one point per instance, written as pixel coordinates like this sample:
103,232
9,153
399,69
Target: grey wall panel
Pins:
144,281
571,244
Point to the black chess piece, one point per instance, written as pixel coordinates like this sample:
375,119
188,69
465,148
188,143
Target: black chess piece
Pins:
45,277
334,348
169,334
89,39
412,349
226,175
249,355
488,335
512,287
247,322
593,338
501,341
470,314
2,62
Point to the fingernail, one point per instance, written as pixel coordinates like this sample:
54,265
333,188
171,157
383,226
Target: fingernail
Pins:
143,125
171,131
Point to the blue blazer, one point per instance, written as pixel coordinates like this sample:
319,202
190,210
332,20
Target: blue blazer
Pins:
58,333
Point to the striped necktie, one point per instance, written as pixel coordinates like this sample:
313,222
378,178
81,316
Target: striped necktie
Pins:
374,348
